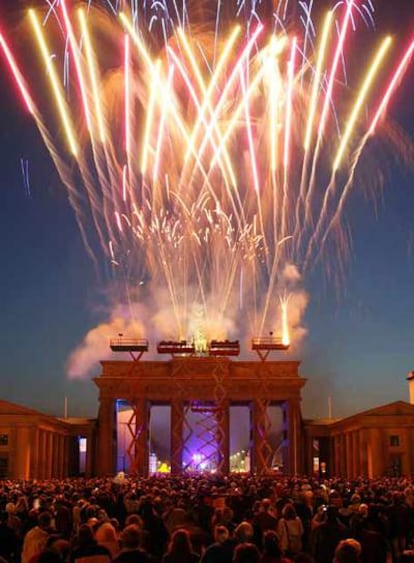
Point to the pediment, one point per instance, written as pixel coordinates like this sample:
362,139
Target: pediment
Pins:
398,408
7,408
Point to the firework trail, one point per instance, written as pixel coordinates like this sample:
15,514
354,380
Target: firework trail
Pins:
204,151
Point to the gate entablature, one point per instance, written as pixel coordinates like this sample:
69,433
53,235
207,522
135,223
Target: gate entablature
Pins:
184,380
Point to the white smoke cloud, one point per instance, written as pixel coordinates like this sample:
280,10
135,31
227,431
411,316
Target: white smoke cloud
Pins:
291,274
215,325
95,346
159,320
297,302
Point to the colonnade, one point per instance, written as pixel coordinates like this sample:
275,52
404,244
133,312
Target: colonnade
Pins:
138,449
38,453
350,453
53,454
364,451
359,452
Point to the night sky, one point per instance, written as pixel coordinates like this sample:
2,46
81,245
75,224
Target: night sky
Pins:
360,341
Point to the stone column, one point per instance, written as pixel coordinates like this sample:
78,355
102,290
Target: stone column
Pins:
363,456
356,454
376,454
23,452
380,459
66,462
105,454
177,427
338,454
309,453
259,452
348,447
61,458
89,453
343,458
331,466
331,460
50,454
55,455
12,452
223,437
34,462
285,443
42,455
410,452
142,436
294,431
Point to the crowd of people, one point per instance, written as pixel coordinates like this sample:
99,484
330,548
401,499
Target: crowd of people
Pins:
207,519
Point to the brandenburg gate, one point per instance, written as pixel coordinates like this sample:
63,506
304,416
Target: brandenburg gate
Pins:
211,382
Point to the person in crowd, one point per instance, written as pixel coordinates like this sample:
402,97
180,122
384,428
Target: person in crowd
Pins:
303,558
304,507
246,553
228,519
9,542
264,519
400,518
221,551
327,535
180,549
57,550
348,551
205,511
379,512
134,519
131,503
155,531
36,538
106,535
63,518
370,531
244,532
16,522
272,551
290,531
358,519
87,549
175,516
131,550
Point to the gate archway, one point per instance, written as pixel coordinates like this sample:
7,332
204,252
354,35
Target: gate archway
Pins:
183,382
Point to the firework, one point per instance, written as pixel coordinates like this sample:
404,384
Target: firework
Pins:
208,162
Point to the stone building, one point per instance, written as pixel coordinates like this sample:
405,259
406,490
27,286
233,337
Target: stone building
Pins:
34,445
371,443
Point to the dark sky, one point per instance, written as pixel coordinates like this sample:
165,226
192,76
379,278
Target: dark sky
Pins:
360,340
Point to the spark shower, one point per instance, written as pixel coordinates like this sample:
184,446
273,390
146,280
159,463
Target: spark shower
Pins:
207,154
